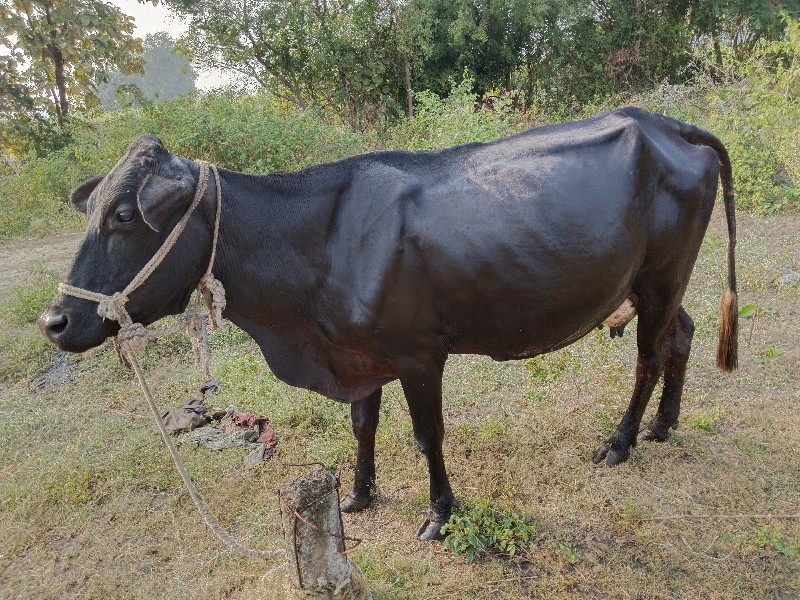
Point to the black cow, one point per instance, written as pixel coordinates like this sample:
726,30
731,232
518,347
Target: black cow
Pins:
355,273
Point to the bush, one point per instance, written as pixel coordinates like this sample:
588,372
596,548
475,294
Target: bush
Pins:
442,122
483,527
34,195
243,132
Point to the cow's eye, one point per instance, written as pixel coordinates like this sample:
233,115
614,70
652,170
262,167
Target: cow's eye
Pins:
126,215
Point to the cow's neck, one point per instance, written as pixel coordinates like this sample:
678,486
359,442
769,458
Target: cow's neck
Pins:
272,247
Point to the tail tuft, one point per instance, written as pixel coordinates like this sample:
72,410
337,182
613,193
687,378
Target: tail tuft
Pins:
728,345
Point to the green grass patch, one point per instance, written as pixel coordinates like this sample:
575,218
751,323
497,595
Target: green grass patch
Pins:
26,302
771,537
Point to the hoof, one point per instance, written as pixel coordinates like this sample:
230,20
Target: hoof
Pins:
611,456
352,503
657,430
614,457
652,434
601,453
431,528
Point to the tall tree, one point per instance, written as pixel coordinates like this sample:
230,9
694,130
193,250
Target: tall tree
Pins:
739,24
331,53
166,75
487,39
58,51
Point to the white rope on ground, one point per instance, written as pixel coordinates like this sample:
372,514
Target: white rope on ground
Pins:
133,337
200,502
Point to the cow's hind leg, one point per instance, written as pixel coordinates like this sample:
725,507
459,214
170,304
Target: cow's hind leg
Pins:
364,415
655,317
679,346
422,387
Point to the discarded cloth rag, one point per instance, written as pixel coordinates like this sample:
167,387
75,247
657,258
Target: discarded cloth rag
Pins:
192,422
193,412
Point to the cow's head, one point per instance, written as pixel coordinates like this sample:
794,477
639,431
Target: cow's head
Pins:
131,211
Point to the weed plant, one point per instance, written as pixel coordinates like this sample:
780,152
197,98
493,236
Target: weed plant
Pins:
483,527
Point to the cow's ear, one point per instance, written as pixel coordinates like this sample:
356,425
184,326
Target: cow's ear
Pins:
160,196
80,195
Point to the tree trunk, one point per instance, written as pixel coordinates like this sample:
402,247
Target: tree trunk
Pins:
409,91
62,105
717,57
349,104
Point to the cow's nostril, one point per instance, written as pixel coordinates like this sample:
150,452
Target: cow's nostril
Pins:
54,324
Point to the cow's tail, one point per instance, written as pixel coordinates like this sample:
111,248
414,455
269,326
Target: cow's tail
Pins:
727,342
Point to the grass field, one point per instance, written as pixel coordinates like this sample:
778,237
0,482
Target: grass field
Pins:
91,506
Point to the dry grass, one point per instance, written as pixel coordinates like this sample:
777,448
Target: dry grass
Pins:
92,509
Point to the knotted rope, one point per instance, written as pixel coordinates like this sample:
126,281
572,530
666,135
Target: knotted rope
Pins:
113,307
133,337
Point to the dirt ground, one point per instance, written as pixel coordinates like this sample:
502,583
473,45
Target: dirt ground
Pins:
17,257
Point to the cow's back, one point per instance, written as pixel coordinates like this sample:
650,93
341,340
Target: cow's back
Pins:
525,244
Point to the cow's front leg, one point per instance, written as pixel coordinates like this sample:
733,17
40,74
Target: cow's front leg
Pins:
423,390
364,415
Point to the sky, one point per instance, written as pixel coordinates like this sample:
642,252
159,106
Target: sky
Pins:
150,19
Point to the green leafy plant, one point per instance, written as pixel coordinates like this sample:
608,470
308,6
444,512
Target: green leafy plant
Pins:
747,311
483,527
771,537
767,354
702,421
569,553
549,367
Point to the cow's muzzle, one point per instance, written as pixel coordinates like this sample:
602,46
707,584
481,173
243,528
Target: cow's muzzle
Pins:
53,324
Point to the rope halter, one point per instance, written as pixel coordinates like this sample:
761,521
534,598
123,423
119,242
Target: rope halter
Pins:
133,337
130,336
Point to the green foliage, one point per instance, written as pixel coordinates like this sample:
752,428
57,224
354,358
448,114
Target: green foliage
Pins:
485,39
747,311
243,132
767,354
34,194
336,55
440,122
483,527
549,367
57,52
756,115
569,553
702,421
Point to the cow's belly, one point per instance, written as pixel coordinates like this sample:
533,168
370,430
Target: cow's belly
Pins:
508,335
535,302
302,355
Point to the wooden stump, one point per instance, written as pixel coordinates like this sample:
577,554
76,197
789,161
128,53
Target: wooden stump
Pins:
314,537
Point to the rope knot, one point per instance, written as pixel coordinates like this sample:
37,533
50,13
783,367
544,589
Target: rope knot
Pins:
133,337
111,307
197,330
214,295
